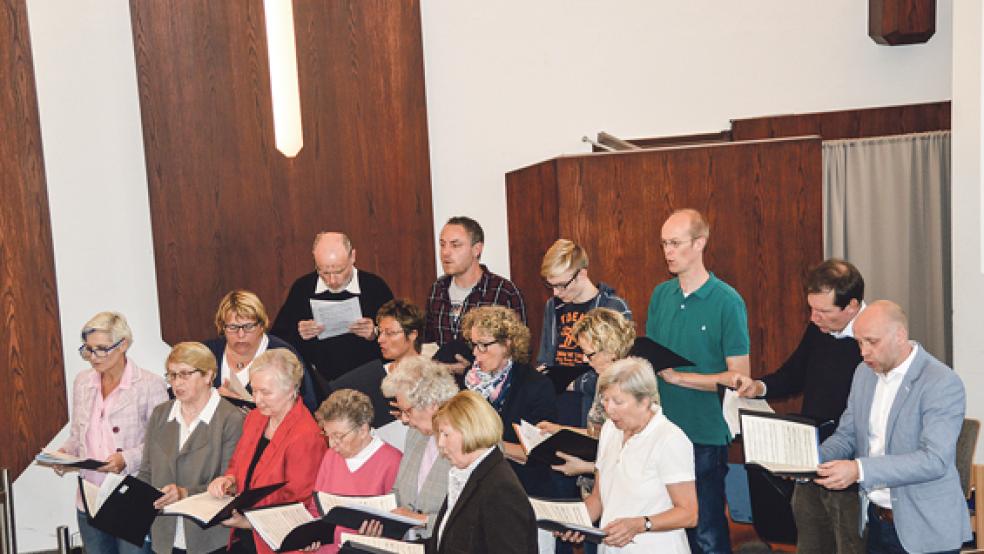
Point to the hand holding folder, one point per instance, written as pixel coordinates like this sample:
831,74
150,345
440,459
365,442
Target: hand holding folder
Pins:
543,447
208,511
122,506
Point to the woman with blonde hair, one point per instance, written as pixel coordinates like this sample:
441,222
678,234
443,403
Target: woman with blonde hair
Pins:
242,323
516,391
112,402
487,510
189,442
644,493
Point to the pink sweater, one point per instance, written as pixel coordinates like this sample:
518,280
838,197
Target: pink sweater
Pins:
376,476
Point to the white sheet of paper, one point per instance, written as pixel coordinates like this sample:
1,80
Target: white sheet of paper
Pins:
382,503
776,442
274,524
236,387
530,436
574,513
732,403
336,315
96,496
202,506
389,545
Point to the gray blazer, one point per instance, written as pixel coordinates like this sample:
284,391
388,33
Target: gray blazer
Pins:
431,496
204,457
919,463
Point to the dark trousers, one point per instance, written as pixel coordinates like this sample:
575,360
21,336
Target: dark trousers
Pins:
711,536
882,538
826,520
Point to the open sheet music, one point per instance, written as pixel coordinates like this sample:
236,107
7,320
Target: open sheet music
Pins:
289,527
122,506
732,403
336,315
56,458
543,447
784,445
352,511
379,544
207,510
327,501
565,515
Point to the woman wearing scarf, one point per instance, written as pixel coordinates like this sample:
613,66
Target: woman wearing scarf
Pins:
501,374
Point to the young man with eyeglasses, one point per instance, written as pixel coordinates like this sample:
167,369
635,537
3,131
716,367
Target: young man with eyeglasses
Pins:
702,318
565,275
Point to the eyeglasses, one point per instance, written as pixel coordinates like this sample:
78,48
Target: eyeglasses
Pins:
405,413
563,286
676,243
389,332
335,437
481,346
234,329
99,352
172,376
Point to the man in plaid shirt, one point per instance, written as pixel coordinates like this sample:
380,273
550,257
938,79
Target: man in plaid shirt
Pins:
466,283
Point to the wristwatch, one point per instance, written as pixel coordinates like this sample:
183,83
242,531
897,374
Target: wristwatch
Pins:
648,523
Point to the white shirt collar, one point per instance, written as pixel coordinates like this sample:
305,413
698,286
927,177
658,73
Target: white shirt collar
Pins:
898,373
848,331
352,287
355,462
228,372
205,416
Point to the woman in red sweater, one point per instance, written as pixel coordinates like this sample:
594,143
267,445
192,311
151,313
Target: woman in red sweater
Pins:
280,443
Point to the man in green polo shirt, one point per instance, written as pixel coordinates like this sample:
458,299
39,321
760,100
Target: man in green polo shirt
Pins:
703,319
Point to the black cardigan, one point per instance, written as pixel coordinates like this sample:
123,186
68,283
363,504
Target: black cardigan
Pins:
531,397
334,356
492,515
822,368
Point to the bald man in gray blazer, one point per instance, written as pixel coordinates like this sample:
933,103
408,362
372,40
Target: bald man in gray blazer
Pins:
897,440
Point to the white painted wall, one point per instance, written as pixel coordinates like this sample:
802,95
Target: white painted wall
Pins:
509,83
100,218
968,180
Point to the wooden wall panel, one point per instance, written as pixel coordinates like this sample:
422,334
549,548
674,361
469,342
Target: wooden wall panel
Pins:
859,123
32,373
230,211
897,22
762,199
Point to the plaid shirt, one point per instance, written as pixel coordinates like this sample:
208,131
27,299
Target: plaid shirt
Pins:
490,290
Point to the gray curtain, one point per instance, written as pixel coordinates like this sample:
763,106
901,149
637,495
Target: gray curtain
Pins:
887,211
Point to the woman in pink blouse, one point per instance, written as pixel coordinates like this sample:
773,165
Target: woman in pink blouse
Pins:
357,462
112,402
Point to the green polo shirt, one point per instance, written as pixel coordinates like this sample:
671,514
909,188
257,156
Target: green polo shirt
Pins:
706,327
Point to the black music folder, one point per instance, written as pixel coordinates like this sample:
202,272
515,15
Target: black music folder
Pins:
51,458
563,375
659,356
352,517
208,511
542,447
273,524
123,506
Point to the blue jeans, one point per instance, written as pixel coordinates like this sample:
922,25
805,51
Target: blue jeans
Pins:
99,542
882,538
711,536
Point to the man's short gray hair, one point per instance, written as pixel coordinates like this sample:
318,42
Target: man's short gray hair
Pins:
633,376
424,382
